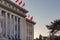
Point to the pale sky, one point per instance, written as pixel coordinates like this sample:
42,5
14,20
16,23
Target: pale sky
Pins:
43,11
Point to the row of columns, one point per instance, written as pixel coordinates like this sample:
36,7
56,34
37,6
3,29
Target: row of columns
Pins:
12,26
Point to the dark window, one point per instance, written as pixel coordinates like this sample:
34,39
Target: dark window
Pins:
18,28
8,25
15,27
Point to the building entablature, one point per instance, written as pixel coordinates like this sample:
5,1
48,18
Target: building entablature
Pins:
30,21
9,5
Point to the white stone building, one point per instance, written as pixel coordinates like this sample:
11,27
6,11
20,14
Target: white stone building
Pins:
13,22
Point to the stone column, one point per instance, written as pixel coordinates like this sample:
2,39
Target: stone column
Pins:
6,23
14,26
0,12
10,25
17,27
0,24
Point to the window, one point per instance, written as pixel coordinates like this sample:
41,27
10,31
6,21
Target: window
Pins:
3,13
15,27
18,28
8,25
12,26
15,23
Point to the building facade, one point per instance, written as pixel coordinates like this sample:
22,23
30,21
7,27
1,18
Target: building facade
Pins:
13,22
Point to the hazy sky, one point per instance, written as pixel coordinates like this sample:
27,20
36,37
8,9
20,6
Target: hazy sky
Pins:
44,11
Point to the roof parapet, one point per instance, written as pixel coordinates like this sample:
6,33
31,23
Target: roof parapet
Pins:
30,21
22,9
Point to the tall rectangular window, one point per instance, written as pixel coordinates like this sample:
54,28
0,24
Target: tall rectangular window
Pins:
15,27
8,25
18,28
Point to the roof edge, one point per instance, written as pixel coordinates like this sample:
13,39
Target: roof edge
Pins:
30,21
24,10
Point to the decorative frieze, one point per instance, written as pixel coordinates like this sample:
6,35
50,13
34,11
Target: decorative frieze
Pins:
12,7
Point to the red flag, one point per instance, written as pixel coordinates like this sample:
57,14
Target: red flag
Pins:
31,18
20,2
23,5
17,0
